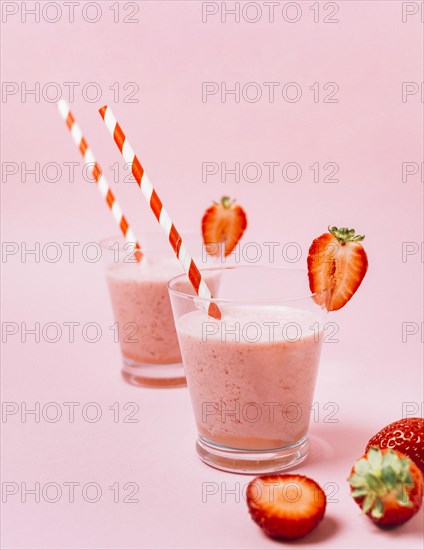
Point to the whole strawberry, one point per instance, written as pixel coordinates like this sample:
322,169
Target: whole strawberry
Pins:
405,435
387,485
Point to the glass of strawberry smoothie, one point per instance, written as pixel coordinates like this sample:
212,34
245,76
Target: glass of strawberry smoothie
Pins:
251,374
144,324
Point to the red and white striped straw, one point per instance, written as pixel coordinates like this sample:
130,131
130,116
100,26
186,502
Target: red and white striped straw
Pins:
158,210
96,172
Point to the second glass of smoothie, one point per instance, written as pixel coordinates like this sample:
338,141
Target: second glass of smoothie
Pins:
144,324
251,374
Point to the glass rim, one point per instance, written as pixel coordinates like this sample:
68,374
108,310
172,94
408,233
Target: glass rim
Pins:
275,302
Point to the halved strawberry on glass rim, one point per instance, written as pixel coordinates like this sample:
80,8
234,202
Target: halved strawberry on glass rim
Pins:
337,262
223,222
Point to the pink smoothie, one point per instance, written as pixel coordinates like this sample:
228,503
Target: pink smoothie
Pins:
143,311
251,375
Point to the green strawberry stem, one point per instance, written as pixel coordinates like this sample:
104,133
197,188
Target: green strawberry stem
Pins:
226,202
344,235
377,475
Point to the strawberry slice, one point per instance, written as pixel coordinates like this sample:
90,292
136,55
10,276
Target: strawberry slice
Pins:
223,221
286,506
337,262
387,486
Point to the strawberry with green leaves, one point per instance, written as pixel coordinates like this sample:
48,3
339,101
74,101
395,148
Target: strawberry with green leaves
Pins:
337,263
387,485
223,222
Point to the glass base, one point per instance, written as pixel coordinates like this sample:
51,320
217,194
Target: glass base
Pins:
153,375
252,462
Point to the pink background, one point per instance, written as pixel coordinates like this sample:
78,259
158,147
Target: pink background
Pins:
370,373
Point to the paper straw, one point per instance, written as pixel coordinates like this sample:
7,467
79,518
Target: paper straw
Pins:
96,172
158,210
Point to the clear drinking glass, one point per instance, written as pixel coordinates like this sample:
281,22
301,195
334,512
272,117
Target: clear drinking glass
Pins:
251,374
143,316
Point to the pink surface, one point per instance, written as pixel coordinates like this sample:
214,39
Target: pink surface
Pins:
369,376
